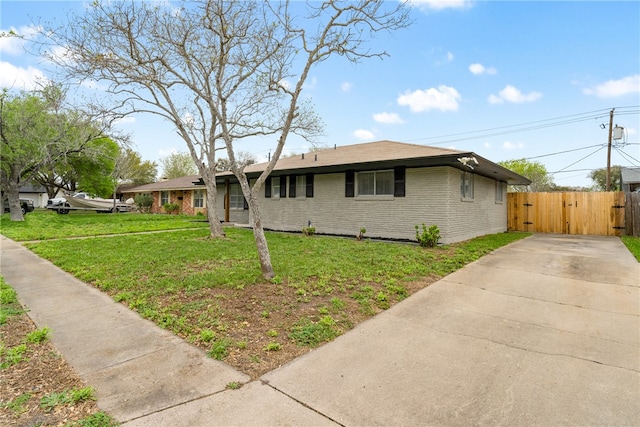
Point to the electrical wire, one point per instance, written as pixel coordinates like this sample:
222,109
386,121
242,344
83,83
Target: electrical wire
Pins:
579,160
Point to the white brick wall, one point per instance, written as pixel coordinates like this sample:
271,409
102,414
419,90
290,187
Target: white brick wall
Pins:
432,197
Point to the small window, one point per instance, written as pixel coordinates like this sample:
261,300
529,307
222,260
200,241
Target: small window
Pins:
499,191
164,198
275,187
236,198
466,186
198,198
375,183
301,186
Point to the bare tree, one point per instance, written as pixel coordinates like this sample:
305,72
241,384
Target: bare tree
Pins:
222,72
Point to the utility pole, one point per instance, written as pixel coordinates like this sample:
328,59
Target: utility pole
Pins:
608,182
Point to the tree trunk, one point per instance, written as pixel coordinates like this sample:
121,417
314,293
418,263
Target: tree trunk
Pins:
215,226
260,239
13,194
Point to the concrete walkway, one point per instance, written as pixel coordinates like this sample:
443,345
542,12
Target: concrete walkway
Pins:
545,331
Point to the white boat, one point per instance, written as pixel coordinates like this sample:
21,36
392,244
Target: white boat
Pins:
82,201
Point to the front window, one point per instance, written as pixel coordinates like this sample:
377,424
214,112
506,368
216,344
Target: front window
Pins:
375,183
275,187
198,198
236,199
301,186
164,198
466,186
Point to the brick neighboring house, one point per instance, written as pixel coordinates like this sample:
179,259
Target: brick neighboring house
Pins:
386,187
183,191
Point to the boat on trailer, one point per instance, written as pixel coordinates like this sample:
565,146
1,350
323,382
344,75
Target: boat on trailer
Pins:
83,202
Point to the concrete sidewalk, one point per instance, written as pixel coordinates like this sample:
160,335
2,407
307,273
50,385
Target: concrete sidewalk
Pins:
545,331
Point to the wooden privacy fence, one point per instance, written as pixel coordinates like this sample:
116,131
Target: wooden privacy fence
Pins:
592,213
632,216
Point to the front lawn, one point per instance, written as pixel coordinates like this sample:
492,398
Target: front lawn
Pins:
211,293
39,224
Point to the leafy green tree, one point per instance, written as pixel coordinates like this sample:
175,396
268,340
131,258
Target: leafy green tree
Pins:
133,170
535,171
38,130
599,178
176,165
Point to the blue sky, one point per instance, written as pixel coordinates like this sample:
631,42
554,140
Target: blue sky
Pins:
505,79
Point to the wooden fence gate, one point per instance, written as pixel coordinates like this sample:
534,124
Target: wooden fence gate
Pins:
592,213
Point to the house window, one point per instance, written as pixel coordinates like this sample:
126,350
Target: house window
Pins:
499,191
466,186
301,186
198,198
164,198
375,183
275,187
236,198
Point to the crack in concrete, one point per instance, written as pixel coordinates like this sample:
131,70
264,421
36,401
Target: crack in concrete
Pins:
268,384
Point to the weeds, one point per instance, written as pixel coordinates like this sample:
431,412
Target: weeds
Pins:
311,334
66,397
18,405
38,336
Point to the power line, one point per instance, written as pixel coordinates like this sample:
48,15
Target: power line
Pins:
563,152
524,127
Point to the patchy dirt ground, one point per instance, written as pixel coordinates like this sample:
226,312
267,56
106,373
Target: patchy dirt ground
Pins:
41,372
252,331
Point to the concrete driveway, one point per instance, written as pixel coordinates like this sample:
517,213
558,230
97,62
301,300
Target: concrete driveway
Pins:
542,332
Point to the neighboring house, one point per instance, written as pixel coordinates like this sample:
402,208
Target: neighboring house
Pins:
630,179
35,193
386,187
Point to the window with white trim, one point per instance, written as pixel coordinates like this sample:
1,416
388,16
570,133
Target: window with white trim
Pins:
375,183
466,186
164,198
198,198
236,198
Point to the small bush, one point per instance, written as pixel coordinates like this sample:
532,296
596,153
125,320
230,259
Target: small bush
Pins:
309,231
143,202
171,207
429,237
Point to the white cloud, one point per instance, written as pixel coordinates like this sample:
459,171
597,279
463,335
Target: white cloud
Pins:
444,98
479,69
363,134
614,88
512,146
388,118
512,94
450,56
487,145
346,86
12,45
426,5
20,78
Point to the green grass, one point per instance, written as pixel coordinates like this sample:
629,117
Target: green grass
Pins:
633,244
39,225
9,305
